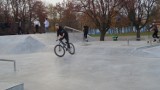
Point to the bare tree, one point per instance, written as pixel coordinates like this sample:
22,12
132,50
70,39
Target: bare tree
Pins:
100,12
69,15
60,9
52,13
30,4
138,12
5,10
1,11
39,10
156,11
26,10
85,20
22,14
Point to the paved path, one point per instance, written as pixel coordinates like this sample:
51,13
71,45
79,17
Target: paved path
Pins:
96,65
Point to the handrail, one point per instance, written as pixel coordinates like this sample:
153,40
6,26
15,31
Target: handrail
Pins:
10,61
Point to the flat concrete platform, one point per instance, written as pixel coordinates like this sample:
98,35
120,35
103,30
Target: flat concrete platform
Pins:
109,65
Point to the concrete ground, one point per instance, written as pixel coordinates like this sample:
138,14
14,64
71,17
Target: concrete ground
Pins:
109,65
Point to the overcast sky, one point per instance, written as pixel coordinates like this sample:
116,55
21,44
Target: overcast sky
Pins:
52,1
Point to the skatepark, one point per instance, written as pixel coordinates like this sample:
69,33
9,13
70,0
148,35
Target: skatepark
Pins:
96,65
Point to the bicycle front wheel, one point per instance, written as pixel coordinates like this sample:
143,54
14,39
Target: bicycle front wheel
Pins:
72,49
59,50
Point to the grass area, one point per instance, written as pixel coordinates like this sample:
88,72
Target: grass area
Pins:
126,34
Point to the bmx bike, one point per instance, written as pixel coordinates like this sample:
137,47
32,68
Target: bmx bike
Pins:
61,48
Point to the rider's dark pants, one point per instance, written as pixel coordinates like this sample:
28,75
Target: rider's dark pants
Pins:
20,31
37,28
67,40
155,35
85,34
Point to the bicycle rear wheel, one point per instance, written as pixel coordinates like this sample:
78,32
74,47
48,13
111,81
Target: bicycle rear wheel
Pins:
59,50
72,49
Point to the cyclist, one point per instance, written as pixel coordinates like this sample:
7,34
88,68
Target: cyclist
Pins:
62,34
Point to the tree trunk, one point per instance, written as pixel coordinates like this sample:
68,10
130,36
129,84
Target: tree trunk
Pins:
138,35
131,27
102,36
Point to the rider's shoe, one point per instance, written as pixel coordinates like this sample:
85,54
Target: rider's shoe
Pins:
67,49
86,40
154,40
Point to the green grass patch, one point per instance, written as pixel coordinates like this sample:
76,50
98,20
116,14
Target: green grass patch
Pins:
125,34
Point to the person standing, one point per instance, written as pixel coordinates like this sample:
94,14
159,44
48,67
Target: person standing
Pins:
19,31
37,25
85,30
46,25
155,31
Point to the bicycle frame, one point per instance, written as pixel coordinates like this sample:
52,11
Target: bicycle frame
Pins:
63,44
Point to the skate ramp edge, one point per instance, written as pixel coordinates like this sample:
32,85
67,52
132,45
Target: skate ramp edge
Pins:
29,45
11,86
147,51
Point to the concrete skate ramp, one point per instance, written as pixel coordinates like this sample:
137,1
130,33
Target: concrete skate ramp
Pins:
29,45
50,38
78,37
25,44
20,45
147,51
